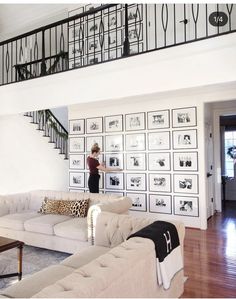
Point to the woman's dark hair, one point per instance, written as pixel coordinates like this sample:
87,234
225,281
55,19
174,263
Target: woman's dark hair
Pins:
95,148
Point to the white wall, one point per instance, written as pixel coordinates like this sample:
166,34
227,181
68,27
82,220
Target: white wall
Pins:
152,103
27,160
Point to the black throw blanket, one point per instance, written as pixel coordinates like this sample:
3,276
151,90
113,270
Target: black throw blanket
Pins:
163,234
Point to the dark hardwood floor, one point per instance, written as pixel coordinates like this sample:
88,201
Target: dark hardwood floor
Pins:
210,257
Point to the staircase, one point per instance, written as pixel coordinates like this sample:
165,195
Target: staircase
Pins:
52,129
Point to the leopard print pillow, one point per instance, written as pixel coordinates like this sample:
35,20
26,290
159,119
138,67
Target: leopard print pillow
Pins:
49,206
80,208
65,207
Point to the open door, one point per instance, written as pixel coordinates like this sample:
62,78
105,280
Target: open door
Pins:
210,170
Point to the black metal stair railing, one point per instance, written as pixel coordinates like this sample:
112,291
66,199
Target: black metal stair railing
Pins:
52,129
107,32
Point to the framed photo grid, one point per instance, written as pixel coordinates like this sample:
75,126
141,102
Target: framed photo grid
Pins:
159,173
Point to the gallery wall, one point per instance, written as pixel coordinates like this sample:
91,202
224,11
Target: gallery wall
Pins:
158,146
28,161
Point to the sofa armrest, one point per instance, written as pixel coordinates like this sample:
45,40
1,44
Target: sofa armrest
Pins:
120,206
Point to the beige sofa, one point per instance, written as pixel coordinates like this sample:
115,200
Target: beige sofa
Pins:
19,219
112,267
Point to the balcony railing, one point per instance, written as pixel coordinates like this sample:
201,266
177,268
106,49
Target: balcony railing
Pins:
109,32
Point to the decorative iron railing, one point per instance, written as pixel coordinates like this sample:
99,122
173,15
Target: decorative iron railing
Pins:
110,32
52,128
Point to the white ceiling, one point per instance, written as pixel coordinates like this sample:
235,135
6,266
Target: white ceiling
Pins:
20,18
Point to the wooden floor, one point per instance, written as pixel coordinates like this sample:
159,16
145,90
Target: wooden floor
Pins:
210,257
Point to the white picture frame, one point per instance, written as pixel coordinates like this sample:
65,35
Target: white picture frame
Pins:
120,194
139,201
136,161
76,126
91,140
114,123
160,203
159,119
76,144
77,190
135,121
76,161
135,142
160,182
186,183
76,179
186,206
184,117
184,139
114,180
136,181
159,161
113,20
94,125
114,143
159,140
185,161
114,160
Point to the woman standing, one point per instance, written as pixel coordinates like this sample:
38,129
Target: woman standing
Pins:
94,166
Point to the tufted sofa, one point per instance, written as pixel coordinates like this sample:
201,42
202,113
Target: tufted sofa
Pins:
111,268
19,219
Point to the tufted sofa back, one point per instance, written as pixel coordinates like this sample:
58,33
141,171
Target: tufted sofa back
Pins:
113,229
14,203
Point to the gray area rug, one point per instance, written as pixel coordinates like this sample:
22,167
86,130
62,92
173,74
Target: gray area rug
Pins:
34,259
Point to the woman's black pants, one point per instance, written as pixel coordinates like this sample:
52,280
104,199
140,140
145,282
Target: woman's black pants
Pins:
93,183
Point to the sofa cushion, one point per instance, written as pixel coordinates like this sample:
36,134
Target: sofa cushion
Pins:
75,228
80,208
84,256
34,283
16,221
50,206
44,223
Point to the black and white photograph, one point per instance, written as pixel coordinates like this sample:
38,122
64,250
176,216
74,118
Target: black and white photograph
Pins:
139,201
159,140
136,48
76,144
159,161
93,45
76,50
135,13
114,181
136,161
158,119
185,139
93,26
135,121
77,179
75,63
186,183
76,127
112,54
93,59
185,161
94,125
114,143
159,203
135,142
159,182
186,206
114,123
91,140
135,32
113,39
76,161
184,117
113,20
114,160
136,181
74,12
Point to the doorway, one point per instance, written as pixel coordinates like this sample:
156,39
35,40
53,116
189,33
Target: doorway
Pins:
228,159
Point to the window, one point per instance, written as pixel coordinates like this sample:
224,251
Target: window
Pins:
230,140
